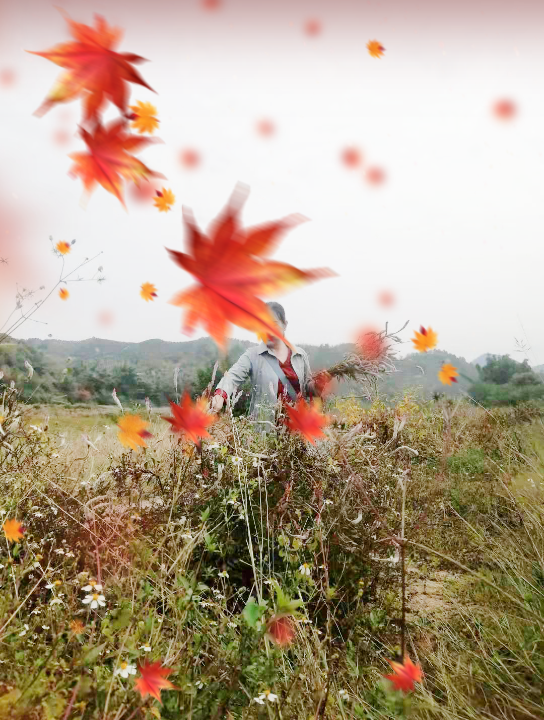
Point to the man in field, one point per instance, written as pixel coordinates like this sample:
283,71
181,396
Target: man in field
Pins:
275,373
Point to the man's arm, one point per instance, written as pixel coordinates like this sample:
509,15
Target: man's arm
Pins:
231,381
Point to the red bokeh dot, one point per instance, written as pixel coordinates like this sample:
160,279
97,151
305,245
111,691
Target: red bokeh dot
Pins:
370,345
375,176
504,109
351,157
312,27
145,193
61,137
211,4
189,158
266,128
7,77
386,298
105,317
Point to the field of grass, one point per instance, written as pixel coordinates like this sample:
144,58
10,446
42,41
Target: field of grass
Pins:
201,556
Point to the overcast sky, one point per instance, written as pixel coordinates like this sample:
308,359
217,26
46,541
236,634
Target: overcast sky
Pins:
454,232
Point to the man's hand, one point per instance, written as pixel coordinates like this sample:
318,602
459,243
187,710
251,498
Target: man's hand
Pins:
217,403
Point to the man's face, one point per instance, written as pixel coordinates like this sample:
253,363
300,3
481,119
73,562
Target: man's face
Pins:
271,340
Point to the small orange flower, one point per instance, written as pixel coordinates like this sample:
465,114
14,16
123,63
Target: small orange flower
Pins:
77,627
406,674
425,339
164,200
64,294
132,431
63,247
447,374
148,291
13,530
375,49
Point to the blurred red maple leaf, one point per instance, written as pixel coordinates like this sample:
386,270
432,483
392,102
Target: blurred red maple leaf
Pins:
351,157
108,159
375,176
190,418
189,158
371,345
231,268
504,109
306,419
94,70
153,680
281,630
405,674
312,27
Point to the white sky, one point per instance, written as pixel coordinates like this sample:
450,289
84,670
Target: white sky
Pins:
455,232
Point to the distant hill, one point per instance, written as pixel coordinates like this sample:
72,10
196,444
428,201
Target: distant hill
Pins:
152,363
481,360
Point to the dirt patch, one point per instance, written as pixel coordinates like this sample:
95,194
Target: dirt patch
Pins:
426,598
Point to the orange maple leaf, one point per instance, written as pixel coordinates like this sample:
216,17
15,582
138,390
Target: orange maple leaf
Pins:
63,247
164,200
153,680
133,431
13,530
281,630
424,339
190,418
306,419
447,374
375,49
406,674
64,294
108,159
143,117
94,70
231,268
148,291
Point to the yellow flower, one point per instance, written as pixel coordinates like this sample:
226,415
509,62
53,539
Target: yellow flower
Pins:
164,200
143,115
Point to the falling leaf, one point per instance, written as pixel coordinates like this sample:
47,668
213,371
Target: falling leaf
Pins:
447,374
405,674
211,4
143,117
424,339
504,109
13,530
312,27
306,419
63,247
323,381
231,269
153,680
351,157
191,419
281,630
164,200
133,431
64,294
108,159
61,137
77,627
189,158
7,77
148,291
375,176
94,70
375,49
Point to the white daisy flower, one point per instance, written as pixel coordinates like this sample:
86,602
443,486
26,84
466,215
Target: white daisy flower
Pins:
343,694
304,569
53,584
223,574
56,601
95,600
93,586
199,684
125,669
45,627
236,459
145,648
24,631
260,699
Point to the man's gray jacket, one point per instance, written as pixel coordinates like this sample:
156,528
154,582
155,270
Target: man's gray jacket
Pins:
255,364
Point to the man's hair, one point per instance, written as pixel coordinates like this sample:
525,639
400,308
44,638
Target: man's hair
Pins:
278,310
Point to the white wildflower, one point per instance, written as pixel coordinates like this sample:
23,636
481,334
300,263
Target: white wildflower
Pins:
236,459
304,569
223,574
24,631
117,401
95,600
93,586
125,669
343,694
145,648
